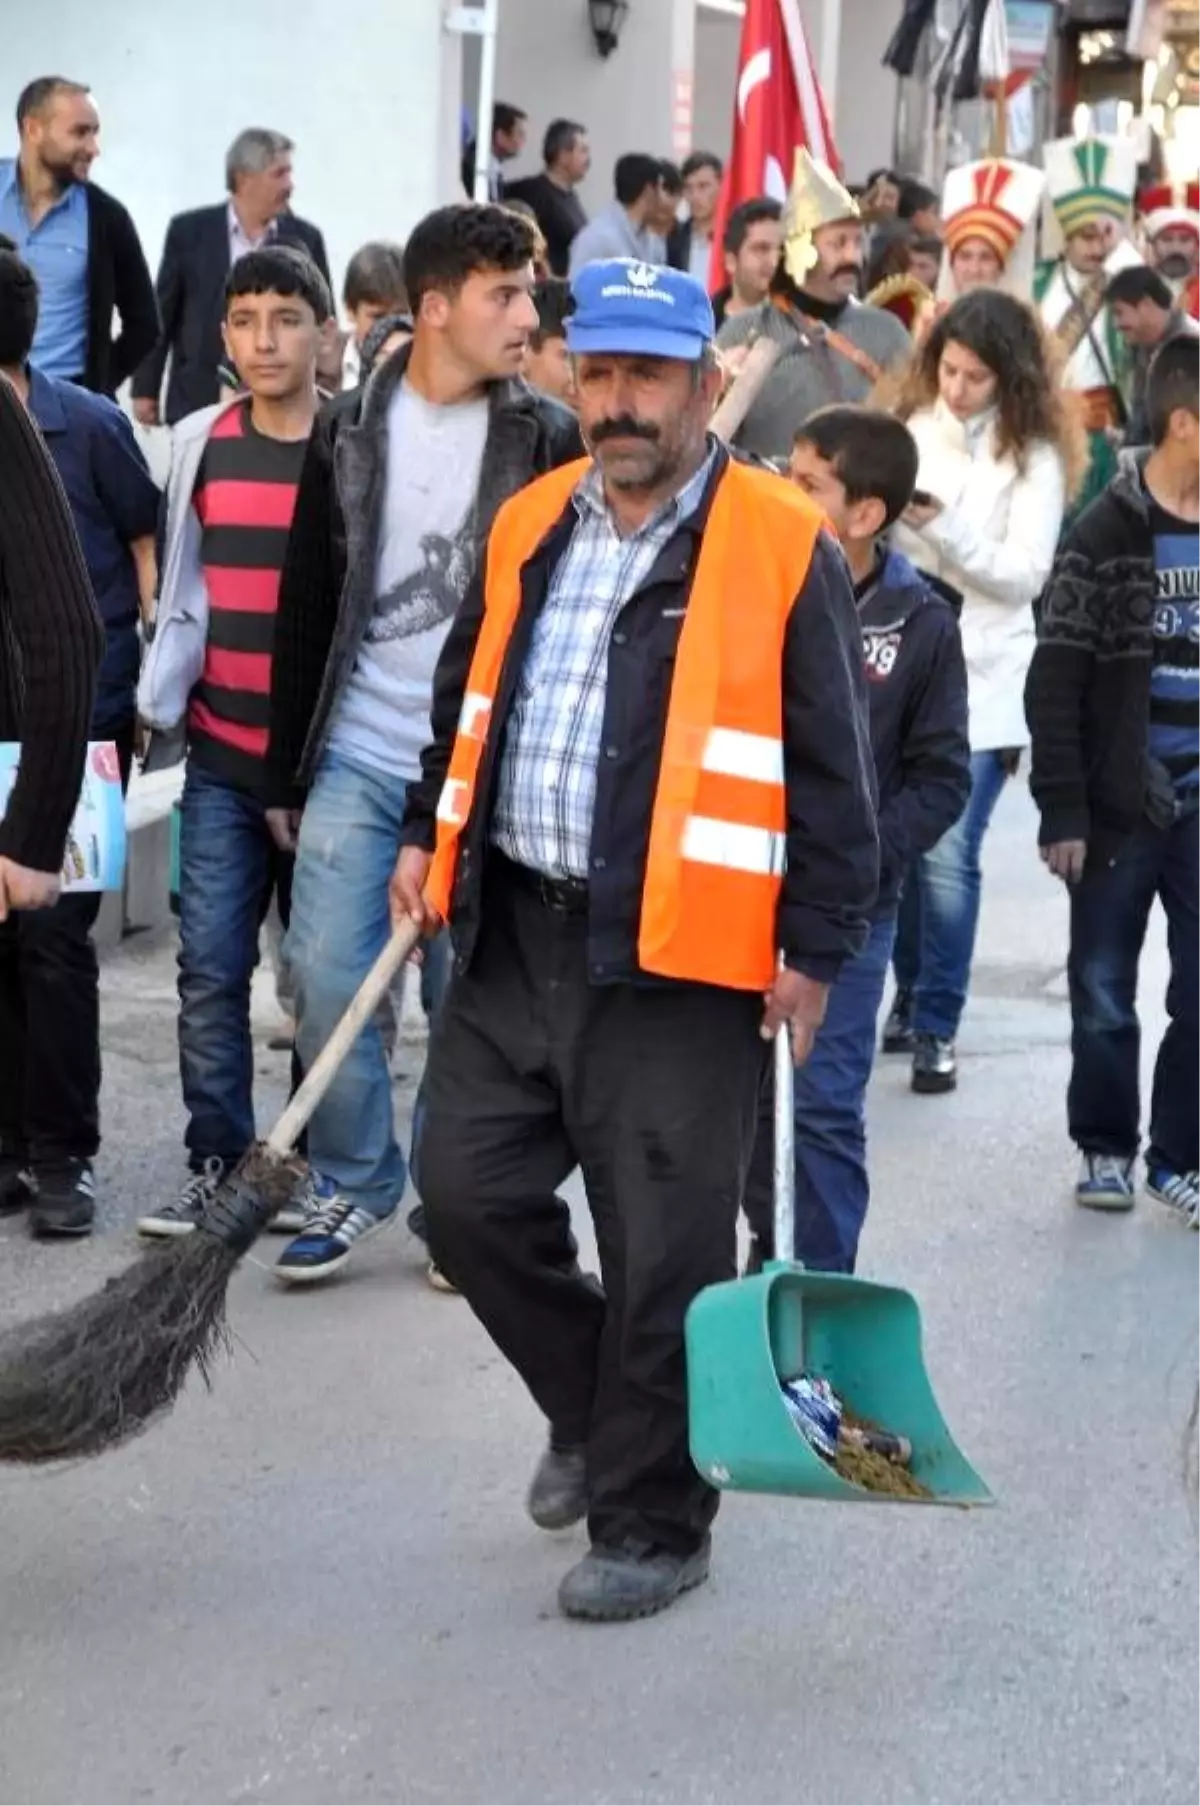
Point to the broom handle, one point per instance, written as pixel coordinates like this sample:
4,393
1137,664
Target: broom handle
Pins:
785,1148
362,1007
745,388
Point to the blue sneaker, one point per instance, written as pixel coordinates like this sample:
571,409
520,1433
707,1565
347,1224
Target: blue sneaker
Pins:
1180,1192
327,1240
1105,1182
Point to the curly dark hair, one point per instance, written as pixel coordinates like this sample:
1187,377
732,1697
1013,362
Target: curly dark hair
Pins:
1005,335
451,243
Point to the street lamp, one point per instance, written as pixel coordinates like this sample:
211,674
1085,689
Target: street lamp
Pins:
606,17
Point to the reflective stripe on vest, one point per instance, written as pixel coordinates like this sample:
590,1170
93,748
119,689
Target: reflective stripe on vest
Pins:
718,830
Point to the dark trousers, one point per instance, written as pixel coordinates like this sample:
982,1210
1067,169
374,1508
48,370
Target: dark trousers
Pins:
50,1022
1110,907
229,869
652,1091
829,1092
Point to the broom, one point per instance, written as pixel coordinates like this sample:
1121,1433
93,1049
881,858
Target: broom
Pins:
77,1381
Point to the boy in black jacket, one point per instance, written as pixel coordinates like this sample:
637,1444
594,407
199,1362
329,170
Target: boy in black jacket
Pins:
1113,703
860,465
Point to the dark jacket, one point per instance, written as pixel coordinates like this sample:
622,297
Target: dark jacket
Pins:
327,587
832,847
191,302
118,279
113,501
679,245
559,213
917,688
50,644
1087,696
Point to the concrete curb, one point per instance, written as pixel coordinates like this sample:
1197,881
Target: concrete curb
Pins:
145,901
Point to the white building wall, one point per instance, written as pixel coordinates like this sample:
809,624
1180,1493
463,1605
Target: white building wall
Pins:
368,89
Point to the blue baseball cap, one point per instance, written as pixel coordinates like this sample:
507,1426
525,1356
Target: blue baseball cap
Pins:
623,306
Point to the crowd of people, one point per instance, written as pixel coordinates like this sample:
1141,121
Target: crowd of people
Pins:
447,611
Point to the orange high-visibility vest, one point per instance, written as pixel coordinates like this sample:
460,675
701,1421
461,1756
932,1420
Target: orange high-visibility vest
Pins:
719,829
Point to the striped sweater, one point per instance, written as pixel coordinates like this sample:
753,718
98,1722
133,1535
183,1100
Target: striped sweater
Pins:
244,497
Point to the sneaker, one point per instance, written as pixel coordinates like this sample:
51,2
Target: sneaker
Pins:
17,1184
1105,1182
329,1237
441,1282
934,1066
64,1201
898,1035
181,1217
1180,1192
558,1491
625,1580
415,1223
309,1192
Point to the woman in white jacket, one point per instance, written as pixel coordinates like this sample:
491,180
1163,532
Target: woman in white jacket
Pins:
999,458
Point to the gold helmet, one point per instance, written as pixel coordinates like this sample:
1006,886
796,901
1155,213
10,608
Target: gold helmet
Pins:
817,199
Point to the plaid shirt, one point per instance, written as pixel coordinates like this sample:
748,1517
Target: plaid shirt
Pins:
547,781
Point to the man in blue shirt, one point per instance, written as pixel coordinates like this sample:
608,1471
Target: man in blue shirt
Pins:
80,243
49,982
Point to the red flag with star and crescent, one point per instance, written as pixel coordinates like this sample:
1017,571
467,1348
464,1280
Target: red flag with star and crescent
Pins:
778,107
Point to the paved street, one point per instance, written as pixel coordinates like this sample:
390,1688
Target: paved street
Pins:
317,1583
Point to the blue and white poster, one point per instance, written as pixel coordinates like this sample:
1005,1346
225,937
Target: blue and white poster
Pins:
95,853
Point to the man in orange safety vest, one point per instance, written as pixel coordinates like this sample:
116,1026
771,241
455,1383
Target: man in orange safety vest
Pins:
647,813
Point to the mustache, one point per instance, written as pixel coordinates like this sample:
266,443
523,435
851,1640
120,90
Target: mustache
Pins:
624,426
847,269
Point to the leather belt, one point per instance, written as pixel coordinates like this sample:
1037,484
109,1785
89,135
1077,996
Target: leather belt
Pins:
562,896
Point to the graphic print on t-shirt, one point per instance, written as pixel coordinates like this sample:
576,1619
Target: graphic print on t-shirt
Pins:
1175,677
425,554
430,594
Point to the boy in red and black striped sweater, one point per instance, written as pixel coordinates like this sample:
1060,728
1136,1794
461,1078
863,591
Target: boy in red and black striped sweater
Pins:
232,493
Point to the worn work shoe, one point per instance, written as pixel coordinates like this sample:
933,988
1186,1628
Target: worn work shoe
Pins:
16,1182
64,1200
329,1238
898,1035
630,1580
934,1066
1105,1182
558,1491
181,1216
1180,1192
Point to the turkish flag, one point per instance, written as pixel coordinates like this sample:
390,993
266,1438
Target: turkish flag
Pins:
779,107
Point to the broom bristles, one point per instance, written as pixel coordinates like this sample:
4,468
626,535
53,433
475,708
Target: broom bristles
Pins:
79,1380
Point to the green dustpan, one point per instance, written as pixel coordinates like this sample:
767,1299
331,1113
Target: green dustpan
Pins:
743,1338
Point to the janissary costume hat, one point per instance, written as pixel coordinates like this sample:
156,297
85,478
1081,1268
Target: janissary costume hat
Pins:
817,199
1170,206
1087,180
996,200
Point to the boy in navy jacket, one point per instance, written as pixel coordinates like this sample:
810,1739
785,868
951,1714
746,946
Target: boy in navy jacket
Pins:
860,465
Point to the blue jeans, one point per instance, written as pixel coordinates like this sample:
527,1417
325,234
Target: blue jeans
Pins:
832,1190
1110,907
949,880
349,837
229,867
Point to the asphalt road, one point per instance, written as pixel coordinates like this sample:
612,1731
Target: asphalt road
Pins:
316,1583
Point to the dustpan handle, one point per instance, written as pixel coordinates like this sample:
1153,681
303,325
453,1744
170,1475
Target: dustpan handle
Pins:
785,1148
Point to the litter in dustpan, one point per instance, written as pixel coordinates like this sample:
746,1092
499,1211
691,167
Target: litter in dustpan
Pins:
845,1351
859,1451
